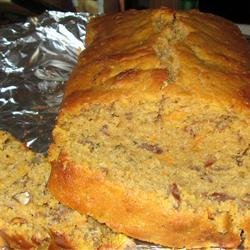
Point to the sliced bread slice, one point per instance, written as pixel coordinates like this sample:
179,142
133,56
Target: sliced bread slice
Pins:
31,218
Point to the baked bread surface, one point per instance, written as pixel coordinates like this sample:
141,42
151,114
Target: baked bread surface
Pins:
31,218
153,134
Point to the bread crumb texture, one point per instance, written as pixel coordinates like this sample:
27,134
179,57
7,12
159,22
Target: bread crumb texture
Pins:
153,136
31,218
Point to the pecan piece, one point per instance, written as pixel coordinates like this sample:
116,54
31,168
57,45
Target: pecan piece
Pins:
242,240
221,197
176,194
104,129
175,191
129,116
154,148
210,161
240,156
60,241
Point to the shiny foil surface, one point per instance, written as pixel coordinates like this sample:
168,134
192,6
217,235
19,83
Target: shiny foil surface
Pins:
36,58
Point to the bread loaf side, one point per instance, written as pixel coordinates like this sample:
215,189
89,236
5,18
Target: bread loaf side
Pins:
153,135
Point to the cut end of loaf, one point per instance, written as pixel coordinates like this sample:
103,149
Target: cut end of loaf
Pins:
191,156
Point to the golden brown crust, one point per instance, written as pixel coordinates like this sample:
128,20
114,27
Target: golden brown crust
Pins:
208,49
89,192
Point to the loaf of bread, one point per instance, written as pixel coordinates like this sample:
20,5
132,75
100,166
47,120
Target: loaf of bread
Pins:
153,136
31,218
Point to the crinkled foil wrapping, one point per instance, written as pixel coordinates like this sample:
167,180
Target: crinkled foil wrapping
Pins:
36,59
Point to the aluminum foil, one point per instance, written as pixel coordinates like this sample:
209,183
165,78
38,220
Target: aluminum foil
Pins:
35,61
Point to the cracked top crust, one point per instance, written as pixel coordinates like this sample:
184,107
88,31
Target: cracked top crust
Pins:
191,53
